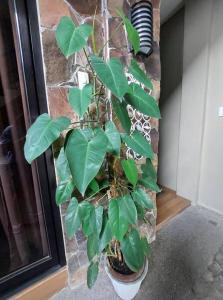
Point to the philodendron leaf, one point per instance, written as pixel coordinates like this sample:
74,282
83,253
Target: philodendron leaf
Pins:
138,143
111,74
119,226
127,209
93,239
114,139
88,218
142,198
122,213
72,218
150,183
92,274
92,246
145,246
121,112
64,191
142,101
43,132
71,38
80,99
130,170
132,33
94,186
131,247
62,166
106,236
149,170
139,74
85,151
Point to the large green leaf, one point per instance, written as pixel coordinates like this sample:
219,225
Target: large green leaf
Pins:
121,112
149,170
92,246
142,198
106,235
130,169
119,226
99,218
138,143
146,246
64,191
62,166
111,74
92,274
142,101
72,218
71,38
85,151
150,183
88,218
113,136
132,33
127,209
80,99
43,132
139,74
133,251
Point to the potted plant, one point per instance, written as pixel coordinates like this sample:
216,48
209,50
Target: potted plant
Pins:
105,189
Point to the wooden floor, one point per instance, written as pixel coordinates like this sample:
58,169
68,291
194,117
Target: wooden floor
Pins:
168,206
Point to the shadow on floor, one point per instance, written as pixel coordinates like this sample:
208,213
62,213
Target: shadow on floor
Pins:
186,263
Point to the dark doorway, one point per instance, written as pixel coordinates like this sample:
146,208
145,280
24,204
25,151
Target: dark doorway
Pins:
29,219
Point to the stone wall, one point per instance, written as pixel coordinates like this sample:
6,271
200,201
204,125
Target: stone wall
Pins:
61,74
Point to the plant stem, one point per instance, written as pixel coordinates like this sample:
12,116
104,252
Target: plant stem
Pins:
116,29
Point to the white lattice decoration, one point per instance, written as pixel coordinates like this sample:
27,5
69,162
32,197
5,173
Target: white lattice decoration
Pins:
139,121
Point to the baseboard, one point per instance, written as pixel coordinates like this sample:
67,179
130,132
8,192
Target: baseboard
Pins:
45,288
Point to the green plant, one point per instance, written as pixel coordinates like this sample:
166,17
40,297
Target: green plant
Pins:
105,189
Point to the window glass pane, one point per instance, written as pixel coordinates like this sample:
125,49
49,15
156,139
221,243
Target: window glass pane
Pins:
23,238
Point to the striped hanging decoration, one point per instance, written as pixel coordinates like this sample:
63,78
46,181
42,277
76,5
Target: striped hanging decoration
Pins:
142,19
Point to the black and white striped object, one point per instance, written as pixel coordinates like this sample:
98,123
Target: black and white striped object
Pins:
141,15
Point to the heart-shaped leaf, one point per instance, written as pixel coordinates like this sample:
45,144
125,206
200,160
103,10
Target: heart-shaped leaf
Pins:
127,209
92,274
71,38
88,218
121,112
139,74
130,169
149,170
43,132
64,191
133,251
113,136
142,101
138,143
150,183
111,74
85,151
80,99
142,198
72,218
119,226
62,166
132,33
92,246
106,235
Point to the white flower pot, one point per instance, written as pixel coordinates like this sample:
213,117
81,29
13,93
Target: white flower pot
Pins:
127,290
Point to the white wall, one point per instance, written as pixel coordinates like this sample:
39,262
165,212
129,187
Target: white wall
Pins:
200,160
196,52
211,179
171,53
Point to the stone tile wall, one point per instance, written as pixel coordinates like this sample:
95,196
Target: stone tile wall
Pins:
60,74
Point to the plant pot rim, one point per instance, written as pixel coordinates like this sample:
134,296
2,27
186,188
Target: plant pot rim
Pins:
127,279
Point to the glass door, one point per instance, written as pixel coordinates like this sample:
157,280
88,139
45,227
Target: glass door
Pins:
28,243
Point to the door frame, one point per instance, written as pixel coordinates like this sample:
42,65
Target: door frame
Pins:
25,25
